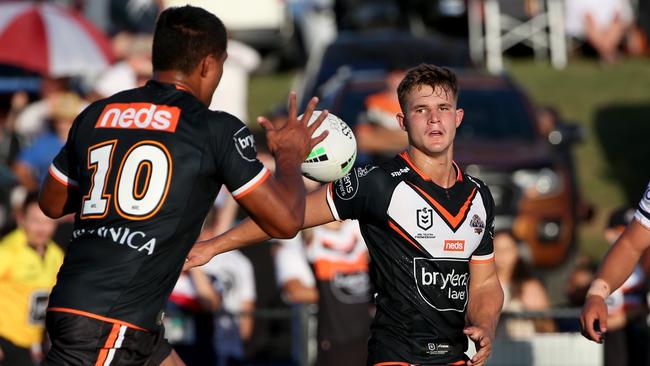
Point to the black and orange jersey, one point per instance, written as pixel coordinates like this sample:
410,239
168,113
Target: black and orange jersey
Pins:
148,164
421,239
339,258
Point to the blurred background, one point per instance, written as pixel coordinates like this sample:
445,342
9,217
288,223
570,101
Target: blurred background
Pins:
557,103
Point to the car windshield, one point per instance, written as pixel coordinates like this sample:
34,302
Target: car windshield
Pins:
494,115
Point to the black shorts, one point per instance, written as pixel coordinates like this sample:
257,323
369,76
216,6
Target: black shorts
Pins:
87,340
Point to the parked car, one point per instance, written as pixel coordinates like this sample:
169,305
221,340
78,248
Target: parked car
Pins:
375,51
499,141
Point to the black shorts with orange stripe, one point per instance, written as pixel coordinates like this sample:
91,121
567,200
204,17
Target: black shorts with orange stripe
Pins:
83,340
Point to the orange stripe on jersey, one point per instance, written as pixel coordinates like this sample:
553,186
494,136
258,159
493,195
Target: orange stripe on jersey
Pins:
110,342
139,116
405,156
397,230
454,221
250,189
394,363
461,362
481,261
181,87
95,316
59,179
326,269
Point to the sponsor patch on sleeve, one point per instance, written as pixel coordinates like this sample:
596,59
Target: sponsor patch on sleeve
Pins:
346,187
245,144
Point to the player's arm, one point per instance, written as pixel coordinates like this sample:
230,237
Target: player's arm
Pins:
618,264
278,204
483,309
278,208
58,198
248,232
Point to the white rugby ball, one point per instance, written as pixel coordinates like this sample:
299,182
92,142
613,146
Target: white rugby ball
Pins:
333,157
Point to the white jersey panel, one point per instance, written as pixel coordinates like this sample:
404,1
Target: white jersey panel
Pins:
642,213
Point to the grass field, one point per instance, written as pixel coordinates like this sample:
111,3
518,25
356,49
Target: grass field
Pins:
612,104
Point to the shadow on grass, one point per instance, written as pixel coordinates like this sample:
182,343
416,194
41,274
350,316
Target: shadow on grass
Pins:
623,131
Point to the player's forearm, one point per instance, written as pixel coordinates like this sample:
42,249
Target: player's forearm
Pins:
242,235
485,304
293,187
618,264
208,297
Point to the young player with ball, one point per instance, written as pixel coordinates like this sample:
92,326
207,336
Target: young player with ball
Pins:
428,227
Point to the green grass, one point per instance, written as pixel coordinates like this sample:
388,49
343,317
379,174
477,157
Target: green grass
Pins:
265,92
612,104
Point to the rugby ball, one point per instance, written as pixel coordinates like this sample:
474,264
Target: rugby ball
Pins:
333,157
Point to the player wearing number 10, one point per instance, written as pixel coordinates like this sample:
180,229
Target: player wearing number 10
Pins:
140,170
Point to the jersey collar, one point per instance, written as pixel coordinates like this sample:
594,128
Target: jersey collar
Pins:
405,156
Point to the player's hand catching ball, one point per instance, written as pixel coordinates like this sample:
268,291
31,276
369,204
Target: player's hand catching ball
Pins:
294,138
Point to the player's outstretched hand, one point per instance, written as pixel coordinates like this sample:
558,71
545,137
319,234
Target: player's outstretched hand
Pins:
594,310
200,254
482,341
295,136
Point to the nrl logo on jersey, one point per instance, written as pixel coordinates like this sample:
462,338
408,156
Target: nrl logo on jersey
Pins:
362,172
477,224
425,218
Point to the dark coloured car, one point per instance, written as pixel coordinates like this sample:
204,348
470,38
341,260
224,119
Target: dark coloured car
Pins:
377,50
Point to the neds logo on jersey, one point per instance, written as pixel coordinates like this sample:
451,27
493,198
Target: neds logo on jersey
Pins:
442,283
139,116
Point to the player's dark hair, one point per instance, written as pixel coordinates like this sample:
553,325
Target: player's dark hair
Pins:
427,75
185,35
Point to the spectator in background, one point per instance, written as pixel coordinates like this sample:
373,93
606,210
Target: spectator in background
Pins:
233,323
189,314
604,24
31,120
339,284
578,282
33,162
522,291
9,149
378,132
232,94
339,257
9,144
29,262
188,317
627,335
133,69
